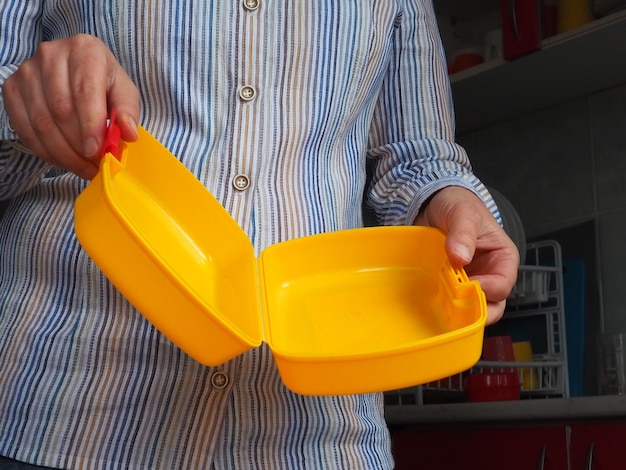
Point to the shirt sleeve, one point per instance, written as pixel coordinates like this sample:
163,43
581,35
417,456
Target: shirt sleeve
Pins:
20,26
412,145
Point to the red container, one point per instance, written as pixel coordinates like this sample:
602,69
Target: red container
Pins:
520,27
464,59
492,386
498,348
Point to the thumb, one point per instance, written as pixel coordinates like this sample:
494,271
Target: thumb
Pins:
452,210
123,96
461,241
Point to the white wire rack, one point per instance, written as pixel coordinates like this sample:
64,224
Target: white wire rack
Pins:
535,313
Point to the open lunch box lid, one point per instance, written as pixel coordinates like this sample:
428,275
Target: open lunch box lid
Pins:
354,311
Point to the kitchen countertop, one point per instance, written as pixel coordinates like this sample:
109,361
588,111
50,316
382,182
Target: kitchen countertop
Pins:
549,410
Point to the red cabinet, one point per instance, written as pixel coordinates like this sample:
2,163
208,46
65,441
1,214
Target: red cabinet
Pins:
598,446
585,446
488,448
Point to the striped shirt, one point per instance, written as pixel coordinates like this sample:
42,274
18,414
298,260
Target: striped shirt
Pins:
295,96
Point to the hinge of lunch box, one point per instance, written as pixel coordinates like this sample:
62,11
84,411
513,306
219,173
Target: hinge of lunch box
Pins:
112,138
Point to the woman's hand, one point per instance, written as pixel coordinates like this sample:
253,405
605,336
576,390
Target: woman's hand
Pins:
58,102
476,242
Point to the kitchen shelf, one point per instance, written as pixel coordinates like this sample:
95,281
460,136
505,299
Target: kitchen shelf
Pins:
568,66
540,379
604,407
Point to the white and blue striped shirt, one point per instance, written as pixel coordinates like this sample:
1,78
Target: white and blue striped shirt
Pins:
85,381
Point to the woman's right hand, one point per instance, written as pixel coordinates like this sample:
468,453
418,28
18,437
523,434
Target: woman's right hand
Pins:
58,102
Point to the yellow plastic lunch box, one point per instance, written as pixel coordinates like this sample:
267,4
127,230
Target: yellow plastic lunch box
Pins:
353,311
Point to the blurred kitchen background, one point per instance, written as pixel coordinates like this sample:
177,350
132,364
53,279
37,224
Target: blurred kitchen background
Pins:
540,102
540,98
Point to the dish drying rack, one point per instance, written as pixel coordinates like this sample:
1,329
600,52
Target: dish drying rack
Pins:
534,313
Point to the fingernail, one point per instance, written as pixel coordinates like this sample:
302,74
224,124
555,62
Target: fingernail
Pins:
133,125
91,147
463,252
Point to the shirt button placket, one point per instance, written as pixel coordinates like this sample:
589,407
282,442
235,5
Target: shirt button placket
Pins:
247,93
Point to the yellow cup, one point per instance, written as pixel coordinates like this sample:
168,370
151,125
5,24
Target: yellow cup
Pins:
572,14
527,375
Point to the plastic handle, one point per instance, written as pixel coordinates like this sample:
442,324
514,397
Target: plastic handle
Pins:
112,138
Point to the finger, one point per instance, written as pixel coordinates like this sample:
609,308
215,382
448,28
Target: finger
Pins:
495,311
457,212
35,126
461,239
105,87
13,105
123,96
56,94
88,82
78,95
28,108
497,287
50,144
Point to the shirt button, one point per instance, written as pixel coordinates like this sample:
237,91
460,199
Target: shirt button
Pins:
219,380
241,182
251,5
247,93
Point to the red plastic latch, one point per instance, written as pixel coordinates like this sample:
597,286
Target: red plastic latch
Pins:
112,138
